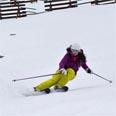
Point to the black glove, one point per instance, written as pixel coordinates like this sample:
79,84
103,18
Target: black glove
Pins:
88,71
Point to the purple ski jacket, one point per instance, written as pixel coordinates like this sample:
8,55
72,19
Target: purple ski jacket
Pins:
74,62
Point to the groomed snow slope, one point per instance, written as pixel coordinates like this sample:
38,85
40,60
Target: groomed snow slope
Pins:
37,48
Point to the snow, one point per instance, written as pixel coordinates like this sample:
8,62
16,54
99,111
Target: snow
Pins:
37,48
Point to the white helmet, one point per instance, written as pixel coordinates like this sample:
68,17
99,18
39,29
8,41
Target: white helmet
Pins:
75,46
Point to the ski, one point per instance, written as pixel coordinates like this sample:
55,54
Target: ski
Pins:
45,92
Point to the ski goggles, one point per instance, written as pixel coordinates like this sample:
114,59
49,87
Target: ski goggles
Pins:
74,51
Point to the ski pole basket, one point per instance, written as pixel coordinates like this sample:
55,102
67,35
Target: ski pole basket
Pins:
59,4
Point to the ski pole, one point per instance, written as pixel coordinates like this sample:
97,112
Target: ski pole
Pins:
34,77
102,77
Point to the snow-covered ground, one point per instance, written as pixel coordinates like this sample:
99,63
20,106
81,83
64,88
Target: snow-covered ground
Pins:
37,48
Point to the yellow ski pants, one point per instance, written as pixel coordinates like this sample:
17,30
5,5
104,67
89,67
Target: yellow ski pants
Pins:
58,79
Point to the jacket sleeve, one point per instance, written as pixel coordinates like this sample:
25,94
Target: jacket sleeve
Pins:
63,62
84,66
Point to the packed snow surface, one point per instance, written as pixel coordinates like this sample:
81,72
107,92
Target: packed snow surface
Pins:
34,46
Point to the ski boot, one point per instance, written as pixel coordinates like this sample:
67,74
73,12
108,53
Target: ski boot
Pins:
65,88
47,90
61,89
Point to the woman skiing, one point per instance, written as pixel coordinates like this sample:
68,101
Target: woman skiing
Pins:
68,67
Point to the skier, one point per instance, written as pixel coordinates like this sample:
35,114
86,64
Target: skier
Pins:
68,67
